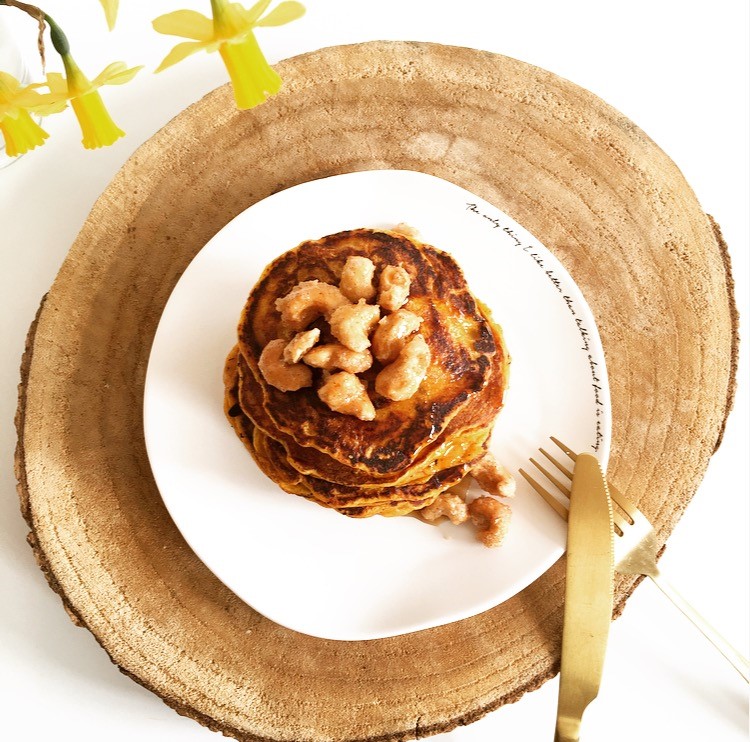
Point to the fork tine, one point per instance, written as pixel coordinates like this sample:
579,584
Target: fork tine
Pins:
565,471
619,522
615,495
552,478
557,506
566,449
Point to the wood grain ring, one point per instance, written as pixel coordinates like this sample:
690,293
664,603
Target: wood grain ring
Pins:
585,180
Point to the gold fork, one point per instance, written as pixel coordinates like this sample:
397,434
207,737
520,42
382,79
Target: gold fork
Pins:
635,549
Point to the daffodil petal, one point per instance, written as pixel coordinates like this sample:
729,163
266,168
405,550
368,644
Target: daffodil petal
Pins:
111,69
125,76
286,12
43,104
47,109
116,73
110,11
180,52
251,16
8,81
190,24
56,82
23,98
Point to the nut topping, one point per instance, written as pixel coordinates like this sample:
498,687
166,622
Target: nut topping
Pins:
352,324
356,278
344,392
391,334
493,477
395,283
300,344
280,374
492,519
401,379
335,356
307,301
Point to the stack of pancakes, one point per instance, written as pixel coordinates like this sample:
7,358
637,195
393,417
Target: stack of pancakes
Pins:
414,449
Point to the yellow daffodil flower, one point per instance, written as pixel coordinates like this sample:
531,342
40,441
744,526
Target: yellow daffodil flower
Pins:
230,32
97,126
110,11
20,132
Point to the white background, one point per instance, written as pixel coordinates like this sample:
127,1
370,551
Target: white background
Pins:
678,69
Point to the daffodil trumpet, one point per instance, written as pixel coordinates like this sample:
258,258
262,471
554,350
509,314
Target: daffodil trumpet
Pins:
231,32
97,126
20,131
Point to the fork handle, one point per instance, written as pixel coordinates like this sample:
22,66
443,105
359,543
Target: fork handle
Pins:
737,661
565,738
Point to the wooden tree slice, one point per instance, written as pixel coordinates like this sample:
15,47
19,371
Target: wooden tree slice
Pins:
582,178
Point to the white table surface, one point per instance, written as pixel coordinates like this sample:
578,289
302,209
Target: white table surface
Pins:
677,68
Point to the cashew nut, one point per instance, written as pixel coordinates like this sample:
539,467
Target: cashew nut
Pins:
391,334
344,392
492,519
406,230
284,376
333,355
493,477
395,283
300,344
307,301
446,504
401,379
356,278
352,324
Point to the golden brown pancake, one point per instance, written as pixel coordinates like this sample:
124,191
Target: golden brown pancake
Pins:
414,449
460,443
459,337
271,458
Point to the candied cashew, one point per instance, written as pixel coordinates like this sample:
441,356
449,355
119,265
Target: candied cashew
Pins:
401,379
352,324
307,301
406,230
335,356
284,376
300,344
446,504
462,487
493,477
344,392
356,278
391,333
395,283
492,519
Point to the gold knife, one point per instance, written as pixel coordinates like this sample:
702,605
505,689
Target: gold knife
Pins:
588,596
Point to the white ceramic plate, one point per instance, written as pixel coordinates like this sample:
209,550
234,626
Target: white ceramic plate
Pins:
309,568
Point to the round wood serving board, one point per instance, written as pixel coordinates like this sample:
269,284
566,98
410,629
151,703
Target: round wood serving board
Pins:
582,178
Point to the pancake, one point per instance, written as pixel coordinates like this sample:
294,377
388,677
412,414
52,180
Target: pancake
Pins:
336,496
414,449
465,439
459,337
271,459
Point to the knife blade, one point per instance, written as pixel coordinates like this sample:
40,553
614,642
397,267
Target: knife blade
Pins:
588,596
